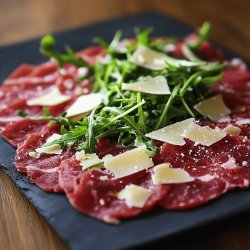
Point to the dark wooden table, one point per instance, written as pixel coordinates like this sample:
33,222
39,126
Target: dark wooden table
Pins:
21,227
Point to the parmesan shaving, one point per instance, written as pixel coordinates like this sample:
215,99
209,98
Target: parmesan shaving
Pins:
134,196
171,134
83,105
129,162
203,135
151,85
214,108
90,159
232,130
52,98
164,174
243,121
148,58
52,149
34,154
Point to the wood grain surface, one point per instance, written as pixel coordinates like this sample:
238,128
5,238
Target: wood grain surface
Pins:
21,227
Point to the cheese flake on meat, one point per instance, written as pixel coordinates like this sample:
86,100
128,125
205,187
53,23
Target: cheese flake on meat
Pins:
34,154
232,130
243,122
151,85
214,108
129,162
171,134
134,196
80,155
87,159
164,174
203,135
52,149
52,98
83,105
90,159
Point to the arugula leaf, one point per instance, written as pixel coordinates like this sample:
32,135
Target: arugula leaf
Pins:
89,145
22,113
113,46
203,33
163,118
47,48
71,137
120,113
143,36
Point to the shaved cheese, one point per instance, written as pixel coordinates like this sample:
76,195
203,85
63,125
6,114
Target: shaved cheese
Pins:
134,196
83,105
53,138
108,156
171,134
148,58
89,160
80,155
82,71
129,162
164,174
80,90
52,98
203,135
232,130
104,178
214,108
34,154
243,121
151,85
52,149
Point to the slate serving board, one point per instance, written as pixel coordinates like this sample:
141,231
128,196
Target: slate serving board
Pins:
80,231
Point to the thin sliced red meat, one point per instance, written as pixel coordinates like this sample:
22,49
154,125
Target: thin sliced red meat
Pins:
46,179
39,170
44,69
21,71
94,192
10,114
235,86
17,132
189,195
211,54
217,168
31,82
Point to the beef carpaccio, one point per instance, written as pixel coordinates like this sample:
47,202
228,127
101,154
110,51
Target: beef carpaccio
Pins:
120,178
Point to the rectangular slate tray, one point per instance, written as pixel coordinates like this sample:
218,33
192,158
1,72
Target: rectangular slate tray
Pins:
80,231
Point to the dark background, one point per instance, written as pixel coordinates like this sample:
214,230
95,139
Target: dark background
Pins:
23,19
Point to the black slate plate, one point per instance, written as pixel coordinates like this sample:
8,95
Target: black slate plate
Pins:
80,231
